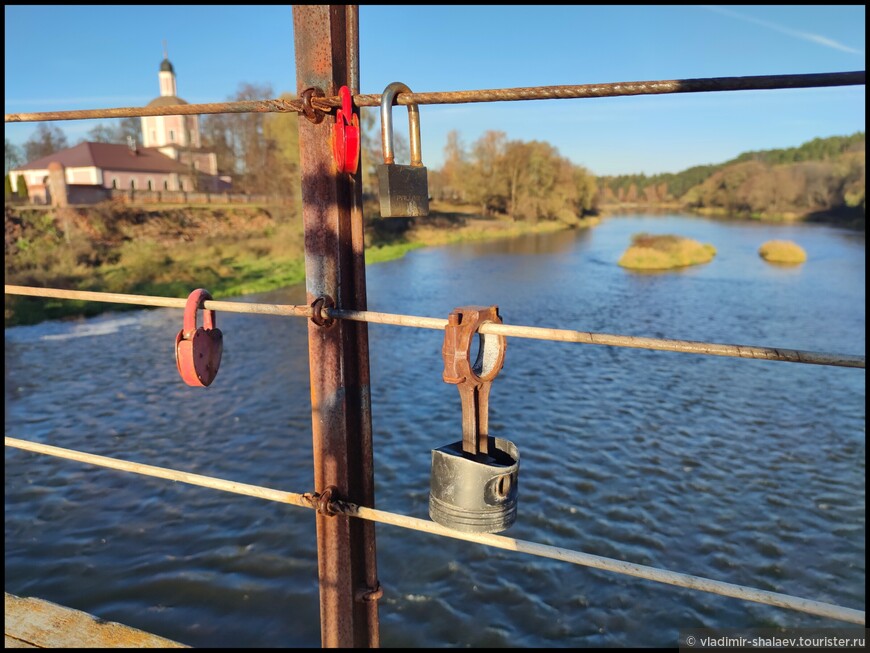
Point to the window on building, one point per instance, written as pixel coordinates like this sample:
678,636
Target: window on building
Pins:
114,182
150,185
181,184
172,135
133,184
165,184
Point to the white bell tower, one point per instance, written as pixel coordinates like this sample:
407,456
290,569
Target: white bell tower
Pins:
172,132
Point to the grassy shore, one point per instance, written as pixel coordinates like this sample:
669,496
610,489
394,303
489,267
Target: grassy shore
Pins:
168,251
846,217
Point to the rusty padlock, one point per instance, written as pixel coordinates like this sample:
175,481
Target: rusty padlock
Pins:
198,350
474,482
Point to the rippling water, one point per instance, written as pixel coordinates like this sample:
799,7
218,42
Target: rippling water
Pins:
751,472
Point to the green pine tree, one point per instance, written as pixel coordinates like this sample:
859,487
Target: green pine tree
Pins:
8,186
21,187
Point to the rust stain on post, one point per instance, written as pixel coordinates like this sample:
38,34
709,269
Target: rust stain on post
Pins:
338,353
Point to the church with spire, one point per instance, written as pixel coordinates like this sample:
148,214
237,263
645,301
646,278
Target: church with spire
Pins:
177,137
170,158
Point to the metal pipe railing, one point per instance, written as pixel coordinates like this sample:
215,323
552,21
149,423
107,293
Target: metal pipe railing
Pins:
313,500
538,333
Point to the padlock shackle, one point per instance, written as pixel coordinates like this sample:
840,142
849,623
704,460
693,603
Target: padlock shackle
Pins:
387,100
194,299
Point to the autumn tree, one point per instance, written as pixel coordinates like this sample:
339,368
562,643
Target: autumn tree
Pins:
453,169
533,173
45,140
485,181
281,134
586,187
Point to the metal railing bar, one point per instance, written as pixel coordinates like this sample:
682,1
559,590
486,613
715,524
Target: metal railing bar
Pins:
667,577
574,91
637,342
294,310
538,333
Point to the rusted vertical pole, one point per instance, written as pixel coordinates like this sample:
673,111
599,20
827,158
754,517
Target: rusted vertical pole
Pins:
326,59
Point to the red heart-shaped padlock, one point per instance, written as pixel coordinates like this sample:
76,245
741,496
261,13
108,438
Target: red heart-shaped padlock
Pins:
198,350
346,135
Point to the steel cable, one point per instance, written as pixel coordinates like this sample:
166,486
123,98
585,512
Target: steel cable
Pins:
575,91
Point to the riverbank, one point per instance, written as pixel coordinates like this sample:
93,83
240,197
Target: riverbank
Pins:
230,250
846,217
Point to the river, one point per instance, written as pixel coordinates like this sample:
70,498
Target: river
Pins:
746,471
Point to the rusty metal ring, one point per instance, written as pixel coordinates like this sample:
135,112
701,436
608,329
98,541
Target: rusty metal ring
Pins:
368,594
314,115
324,506
462,328
317,307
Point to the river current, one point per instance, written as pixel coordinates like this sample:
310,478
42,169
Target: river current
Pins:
746,471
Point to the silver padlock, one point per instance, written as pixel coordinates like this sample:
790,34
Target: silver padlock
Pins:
403,190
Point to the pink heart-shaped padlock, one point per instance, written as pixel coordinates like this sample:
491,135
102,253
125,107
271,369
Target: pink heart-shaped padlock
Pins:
198,350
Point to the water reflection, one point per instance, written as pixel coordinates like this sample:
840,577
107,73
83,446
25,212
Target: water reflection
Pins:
533,244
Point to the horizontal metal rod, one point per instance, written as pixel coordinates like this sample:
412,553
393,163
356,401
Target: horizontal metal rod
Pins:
585,337
537,333
499,541
166,302
161,472
577,91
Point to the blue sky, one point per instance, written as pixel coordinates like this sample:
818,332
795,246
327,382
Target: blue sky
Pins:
88,57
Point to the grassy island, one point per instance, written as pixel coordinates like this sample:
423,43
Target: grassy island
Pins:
665,252
782,251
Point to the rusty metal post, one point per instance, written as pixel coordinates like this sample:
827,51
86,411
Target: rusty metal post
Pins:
326,59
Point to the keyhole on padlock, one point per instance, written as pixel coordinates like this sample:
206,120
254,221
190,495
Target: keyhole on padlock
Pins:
503,487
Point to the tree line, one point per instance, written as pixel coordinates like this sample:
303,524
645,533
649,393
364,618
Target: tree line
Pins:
821,175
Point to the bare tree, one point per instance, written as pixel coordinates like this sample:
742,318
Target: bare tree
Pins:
100,133
219,137
14,156
47,139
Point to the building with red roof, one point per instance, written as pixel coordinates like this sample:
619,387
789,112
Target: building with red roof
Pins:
171,159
